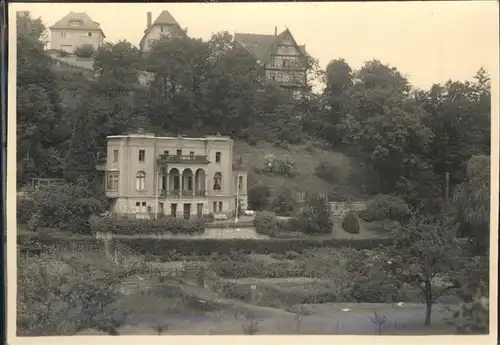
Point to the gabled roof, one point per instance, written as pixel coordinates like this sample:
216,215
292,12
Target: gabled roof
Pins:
165,18
257,45
261,46
87,22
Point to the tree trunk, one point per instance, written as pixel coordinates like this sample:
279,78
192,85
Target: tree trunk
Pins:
428,302
165,89
428,313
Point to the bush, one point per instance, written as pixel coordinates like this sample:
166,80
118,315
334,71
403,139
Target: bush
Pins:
258,197
66,206
383,207
25,209
155,226
85,51
328,172
351,223
232,269
266,223
284,204
281,166
62,53
472,317
315,219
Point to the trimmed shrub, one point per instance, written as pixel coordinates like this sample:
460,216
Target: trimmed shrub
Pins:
351,223
383,207
155,226
207,246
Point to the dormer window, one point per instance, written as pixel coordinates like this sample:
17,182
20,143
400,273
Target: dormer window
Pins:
75,23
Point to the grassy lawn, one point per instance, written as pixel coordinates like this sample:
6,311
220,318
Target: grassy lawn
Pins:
149,312
306,159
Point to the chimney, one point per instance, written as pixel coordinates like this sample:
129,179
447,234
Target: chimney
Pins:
275,31
150,21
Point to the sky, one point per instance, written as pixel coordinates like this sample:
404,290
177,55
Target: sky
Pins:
430,42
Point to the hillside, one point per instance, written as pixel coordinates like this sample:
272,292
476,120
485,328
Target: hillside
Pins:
306,158
72,80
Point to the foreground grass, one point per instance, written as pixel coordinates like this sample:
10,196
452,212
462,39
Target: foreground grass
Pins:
182,309
147,313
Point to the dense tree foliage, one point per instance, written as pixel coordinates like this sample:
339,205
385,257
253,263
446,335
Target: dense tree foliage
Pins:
405,139
402,141
41,133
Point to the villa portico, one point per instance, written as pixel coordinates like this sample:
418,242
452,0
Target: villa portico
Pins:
183,182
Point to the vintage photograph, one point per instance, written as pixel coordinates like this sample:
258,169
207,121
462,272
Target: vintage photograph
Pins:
254,168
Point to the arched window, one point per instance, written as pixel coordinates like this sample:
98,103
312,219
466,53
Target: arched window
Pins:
140,181
218,181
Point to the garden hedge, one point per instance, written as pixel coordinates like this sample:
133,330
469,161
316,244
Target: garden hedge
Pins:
154,226
197,246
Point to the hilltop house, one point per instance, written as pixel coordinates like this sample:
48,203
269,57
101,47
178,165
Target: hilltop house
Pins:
173,176
164,25
281,57
75,30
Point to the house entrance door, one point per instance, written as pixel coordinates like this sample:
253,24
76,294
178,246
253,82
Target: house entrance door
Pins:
199,210
187,211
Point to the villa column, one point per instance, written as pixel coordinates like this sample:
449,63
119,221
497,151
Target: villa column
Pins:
167,178
193,184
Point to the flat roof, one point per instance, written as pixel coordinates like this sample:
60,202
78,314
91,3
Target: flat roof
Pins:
152,136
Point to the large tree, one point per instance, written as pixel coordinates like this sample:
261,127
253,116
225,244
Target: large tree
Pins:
338,80
472,197
41,133
459,115
80,162
426,253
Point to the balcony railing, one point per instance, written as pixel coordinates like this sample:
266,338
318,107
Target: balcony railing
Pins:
101,163
184,159
178,193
